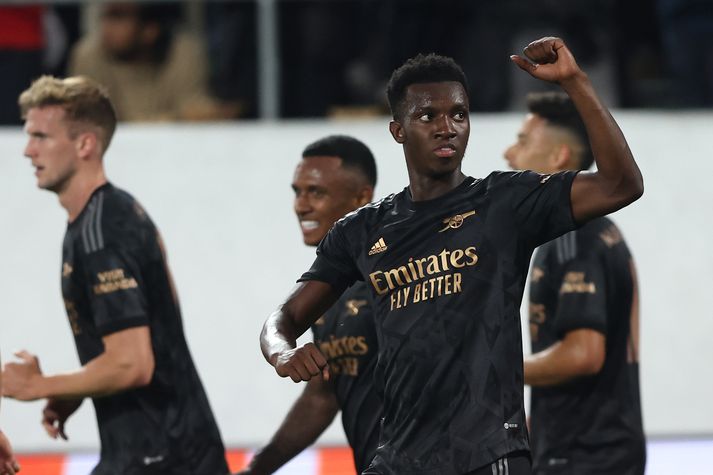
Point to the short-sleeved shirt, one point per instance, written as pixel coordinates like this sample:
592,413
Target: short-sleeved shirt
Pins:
346,335
115,277
586,280
447,276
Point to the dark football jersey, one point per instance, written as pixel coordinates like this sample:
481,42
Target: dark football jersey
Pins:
447,277
115,277
347,337
591,425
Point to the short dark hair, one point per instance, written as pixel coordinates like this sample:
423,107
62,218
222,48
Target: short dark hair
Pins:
559,110
418,70
354,154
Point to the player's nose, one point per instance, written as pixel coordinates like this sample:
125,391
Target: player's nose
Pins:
446,128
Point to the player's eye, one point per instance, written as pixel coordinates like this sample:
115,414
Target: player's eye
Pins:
427,117
459,116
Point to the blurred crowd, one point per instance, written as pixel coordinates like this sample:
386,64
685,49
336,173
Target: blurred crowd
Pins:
198,60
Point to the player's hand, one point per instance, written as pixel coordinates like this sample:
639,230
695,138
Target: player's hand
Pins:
56,413
8,464
302,363
549,60
21,380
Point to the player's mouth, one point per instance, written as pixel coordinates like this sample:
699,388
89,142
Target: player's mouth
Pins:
309,225
38,170
445,150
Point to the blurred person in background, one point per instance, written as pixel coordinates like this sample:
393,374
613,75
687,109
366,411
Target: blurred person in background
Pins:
152,69
584,319
337,175
22,43
152,412
687,34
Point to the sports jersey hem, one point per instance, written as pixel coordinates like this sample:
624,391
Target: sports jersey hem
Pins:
582,326
339,287
124,324
568,189
481,459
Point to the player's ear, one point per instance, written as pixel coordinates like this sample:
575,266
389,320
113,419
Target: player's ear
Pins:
397,131
365,196
562,159
87,143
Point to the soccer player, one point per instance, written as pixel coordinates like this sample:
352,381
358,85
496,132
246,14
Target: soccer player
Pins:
337,175
152,412
446,261
584,314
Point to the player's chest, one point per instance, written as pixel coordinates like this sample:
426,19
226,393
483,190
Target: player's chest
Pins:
437,247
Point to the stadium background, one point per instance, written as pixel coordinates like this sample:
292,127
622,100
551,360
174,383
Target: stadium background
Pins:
220,194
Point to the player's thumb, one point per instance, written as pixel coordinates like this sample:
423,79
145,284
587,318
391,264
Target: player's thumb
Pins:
325,373
523,64
24,355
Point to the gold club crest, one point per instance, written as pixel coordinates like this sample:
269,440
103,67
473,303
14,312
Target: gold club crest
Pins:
455,222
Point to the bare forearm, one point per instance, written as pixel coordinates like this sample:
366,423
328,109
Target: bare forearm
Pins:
557,365
102,376
308,418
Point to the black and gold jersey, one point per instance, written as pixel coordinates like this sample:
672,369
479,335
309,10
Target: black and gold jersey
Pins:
347,337
115,277
447,276
587,279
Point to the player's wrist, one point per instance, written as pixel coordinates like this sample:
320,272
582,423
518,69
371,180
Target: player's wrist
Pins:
578,81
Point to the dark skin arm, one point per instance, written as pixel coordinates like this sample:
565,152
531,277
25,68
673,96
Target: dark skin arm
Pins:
278,339
309,416
580,353
617,181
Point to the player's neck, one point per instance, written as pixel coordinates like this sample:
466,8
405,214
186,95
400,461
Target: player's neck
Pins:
424,187
76,194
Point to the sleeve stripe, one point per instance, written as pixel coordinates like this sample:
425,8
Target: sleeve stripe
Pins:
92,236
88,245
566,247
98,221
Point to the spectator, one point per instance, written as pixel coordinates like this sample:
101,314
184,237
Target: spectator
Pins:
21,45
687,33
153,71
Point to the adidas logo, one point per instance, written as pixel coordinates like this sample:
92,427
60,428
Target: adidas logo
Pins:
379,246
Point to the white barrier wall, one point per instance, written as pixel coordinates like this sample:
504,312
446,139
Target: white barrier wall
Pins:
221,196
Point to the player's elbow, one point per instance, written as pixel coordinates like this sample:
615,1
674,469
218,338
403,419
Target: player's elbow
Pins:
138,372
144,375
637,188
633,188
590,362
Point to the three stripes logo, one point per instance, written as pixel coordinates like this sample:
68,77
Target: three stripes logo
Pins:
379,246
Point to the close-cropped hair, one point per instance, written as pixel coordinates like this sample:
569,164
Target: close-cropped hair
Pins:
559,111
84,101
418,70
354,154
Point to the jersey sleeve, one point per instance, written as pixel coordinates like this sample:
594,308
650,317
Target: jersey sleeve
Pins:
582,297
116,292
541,204
334,264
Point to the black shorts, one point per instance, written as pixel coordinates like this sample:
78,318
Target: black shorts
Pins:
516,463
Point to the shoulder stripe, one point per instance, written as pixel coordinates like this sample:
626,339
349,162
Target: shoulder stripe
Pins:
92,234
566,247
98,221
86,237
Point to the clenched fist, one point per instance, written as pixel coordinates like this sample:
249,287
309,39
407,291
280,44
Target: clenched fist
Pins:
549,60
